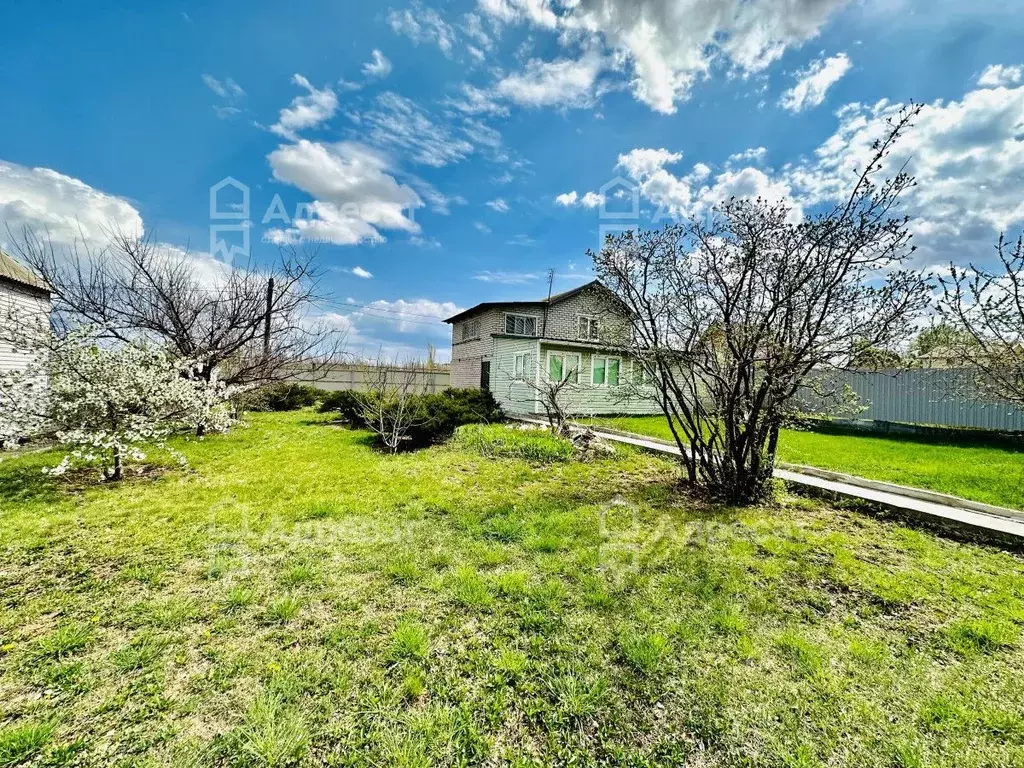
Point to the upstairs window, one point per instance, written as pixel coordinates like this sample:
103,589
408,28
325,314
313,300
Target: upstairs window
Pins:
471,330
521,325
589,329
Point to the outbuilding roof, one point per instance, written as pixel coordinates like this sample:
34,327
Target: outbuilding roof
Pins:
12,271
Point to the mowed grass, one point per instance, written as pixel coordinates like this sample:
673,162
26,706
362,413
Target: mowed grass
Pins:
298,599
992,474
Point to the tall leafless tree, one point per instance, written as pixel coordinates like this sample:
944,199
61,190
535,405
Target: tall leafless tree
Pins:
985,308
730,316
228,323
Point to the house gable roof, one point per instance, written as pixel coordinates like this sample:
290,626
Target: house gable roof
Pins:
555,299
12,271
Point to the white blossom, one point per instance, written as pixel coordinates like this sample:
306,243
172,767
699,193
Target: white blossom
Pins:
109,403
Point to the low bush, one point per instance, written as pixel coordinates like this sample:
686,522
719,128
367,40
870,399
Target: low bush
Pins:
346,403
282,397
431,418
442,413
500,441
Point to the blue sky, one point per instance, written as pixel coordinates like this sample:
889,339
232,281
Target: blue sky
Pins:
453,152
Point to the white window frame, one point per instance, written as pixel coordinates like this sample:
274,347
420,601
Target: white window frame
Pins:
593,326
646,380
536,324
471,330
606,359
522,372
563,355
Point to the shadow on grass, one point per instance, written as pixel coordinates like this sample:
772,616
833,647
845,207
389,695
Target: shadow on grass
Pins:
958,438
20,483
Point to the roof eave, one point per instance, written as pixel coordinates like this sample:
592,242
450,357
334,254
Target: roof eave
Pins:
24,286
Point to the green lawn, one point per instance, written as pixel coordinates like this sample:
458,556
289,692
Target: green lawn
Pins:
298,599
986,473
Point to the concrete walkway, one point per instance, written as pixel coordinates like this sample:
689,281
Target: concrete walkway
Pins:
1006,525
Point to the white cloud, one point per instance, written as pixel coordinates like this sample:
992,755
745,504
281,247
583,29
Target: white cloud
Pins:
998,75
588,200
226,89
63,207
641,163
498,205
668,45
813,83
425,242
752,155
562,83
506,278
692,194
967,157
749,183
477,101
399,122
229,91
67,211
473,26
409,316
370,329
308,111
363,273
537,12
355,194
482,227
521,240
378,66
423,25
481,134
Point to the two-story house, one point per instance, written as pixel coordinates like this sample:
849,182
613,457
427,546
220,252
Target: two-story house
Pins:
511,347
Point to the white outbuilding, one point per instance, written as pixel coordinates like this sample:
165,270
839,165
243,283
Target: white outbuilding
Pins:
24,302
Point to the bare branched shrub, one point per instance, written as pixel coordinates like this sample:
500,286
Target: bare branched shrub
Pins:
553,393
985,310
730,315
391,408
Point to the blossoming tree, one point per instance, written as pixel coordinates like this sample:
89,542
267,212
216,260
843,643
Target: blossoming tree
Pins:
107,403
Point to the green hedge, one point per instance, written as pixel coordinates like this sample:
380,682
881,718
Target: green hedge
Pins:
435,417
282,397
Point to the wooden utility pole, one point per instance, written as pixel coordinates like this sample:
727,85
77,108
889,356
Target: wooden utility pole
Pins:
266,318
551,282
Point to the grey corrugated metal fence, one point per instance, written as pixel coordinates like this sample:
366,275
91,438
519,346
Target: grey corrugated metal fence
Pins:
946,397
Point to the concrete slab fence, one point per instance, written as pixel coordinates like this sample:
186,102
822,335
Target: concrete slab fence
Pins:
360,377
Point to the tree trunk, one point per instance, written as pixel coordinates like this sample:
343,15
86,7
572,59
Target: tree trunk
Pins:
205,374
116,474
